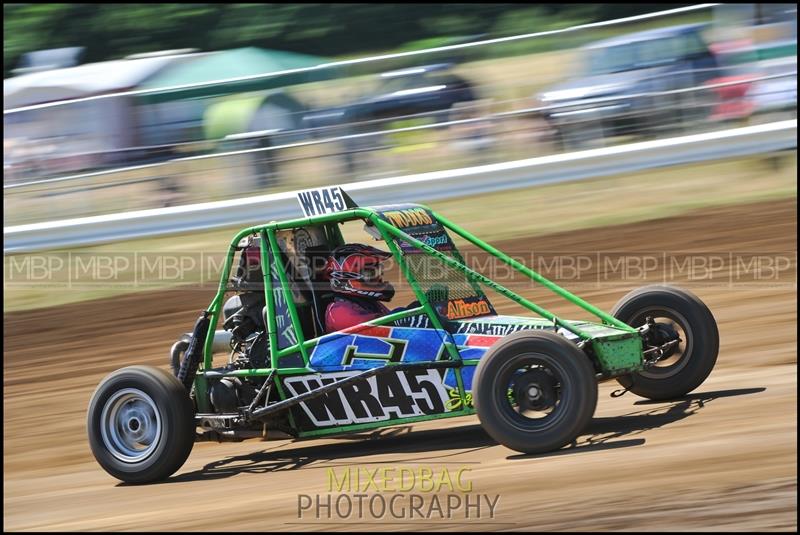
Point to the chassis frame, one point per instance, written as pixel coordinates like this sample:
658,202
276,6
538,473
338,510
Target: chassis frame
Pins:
603,350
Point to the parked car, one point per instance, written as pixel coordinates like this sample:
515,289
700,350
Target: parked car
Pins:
425,89
411,91
612,94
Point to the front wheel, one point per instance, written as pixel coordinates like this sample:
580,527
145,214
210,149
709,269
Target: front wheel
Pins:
140,424
534,391
676,315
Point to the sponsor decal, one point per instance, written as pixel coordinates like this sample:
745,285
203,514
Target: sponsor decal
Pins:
438,240
495,329
382,397
365,293
409,217
286,334
455,402
467,308
433,241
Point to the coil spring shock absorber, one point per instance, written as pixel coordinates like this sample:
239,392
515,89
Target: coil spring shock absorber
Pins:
194,353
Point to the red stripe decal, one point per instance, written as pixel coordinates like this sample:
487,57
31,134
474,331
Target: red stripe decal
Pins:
479,340
369,330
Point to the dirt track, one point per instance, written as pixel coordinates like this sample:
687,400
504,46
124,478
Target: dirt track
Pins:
723,458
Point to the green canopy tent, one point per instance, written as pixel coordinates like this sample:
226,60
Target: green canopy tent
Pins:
241,82
255,65
248,112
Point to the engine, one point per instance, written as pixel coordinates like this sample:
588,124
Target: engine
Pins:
249,344
243,335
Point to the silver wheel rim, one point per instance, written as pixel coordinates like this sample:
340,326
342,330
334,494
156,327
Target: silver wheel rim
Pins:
130,425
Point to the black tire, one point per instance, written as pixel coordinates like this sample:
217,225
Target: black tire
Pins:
694,358
148,401
573,384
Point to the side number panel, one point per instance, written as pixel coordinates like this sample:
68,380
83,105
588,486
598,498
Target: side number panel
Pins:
387,396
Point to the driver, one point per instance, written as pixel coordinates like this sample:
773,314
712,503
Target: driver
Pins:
355,273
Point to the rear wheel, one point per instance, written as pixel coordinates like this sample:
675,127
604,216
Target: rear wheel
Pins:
676,314
534,391
141,424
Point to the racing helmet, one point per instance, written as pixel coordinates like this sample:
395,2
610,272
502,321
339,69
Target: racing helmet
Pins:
356,269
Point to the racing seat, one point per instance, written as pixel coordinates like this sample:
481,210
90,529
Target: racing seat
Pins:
318,290
304,252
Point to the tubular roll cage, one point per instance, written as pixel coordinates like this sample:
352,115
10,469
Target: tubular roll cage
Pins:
389,232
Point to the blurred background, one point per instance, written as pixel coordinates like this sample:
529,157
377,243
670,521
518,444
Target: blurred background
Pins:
110,108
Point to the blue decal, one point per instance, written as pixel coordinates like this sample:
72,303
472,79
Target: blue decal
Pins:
342,351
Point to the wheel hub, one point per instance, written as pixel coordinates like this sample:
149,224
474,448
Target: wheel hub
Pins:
133,424
661,334
535,390
130,425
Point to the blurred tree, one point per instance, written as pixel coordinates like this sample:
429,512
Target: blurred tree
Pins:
109,31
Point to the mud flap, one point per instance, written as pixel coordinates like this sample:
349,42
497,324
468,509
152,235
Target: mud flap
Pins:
194,353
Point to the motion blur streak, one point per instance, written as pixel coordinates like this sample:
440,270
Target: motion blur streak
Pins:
377,58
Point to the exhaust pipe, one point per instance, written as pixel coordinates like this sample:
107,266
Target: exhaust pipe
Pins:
222,343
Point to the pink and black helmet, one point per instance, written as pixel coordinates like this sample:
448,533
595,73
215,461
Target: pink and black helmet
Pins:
357,270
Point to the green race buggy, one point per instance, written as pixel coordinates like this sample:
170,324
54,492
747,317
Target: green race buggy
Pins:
531,380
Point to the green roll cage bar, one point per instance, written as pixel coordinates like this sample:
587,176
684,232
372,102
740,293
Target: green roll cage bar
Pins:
389,232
